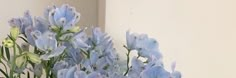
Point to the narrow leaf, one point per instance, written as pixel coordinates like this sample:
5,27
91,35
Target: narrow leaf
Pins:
7,53
10,37
1,53
4,73
23,39
19,48
28,74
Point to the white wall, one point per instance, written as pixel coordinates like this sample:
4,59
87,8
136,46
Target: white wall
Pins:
199,34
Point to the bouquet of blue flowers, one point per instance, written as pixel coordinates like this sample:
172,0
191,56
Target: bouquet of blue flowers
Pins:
54,47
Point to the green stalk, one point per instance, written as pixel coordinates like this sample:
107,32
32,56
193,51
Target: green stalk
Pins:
47,70
127,61
13,62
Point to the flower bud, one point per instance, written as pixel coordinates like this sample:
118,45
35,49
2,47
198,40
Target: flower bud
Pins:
55,28
8,43
33,58
74,29
14,32
20,61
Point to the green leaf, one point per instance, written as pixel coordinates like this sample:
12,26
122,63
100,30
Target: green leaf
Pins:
28,74
7,53
4,73
23,39
19,48
1,53
10,37
33,58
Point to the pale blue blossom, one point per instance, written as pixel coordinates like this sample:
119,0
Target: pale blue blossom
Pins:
22,22
79,40
155,72
31,34
137,66
41,24
174,73
59,65
48,43
131,40
74,55
145,46
27,26
80,74
65,16
103,45
62,73
97,36
94,75
95,55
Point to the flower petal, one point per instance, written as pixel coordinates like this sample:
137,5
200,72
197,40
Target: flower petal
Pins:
58,51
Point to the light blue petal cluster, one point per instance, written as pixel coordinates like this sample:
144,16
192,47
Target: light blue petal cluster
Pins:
81,55
89,57
48,43
22,22
64,17
147,48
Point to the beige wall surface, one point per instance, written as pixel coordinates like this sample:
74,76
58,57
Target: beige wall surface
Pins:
200,35
15,8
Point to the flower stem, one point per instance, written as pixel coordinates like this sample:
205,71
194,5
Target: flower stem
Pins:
13,61
48,69
127,61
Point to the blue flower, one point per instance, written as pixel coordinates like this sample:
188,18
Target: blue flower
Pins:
94,75
47,42
137,67
31,34
64,16
79,40
80,74
97,36
62,73
74,55
131,40
41,24
22,22
27,26
59,65
145,46
155,72
103,44
75,72
175,74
